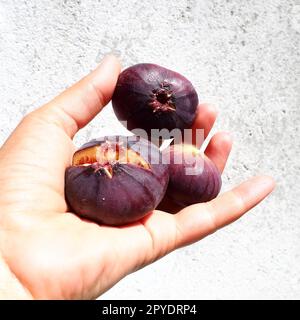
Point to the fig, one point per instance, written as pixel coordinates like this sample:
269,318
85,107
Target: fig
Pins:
116,180
194,177
148,96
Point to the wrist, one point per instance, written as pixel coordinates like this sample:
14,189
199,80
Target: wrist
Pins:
10,287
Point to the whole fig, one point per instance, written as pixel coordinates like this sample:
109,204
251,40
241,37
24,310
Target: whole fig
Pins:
194,177
148,96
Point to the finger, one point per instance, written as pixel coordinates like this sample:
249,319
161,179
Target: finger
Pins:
78,105
38,135
199,220
218,149
205,118
164,232
70,111
39,149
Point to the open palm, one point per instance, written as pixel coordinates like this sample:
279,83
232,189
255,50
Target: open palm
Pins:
50,252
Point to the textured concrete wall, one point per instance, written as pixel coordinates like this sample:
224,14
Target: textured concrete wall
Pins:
243,56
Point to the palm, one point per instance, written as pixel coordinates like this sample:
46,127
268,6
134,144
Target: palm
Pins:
64,257
55,254
58,254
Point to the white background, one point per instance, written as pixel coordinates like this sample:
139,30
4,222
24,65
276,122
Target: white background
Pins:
243,56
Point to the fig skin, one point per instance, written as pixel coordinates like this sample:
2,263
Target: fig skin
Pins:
149,96
186,189
128,195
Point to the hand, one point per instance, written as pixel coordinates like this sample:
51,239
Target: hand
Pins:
48,252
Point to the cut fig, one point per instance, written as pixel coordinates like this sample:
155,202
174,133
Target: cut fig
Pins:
116,180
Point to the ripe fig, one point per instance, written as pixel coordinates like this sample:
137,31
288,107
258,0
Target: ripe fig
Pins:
116,180
149,96
194,177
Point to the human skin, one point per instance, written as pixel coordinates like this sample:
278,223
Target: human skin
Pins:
46,251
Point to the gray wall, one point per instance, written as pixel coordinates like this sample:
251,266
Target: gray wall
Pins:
243,56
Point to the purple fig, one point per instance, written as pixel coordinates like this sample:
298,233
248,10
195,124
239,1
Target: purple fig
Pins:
116,180
194,177
149,96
